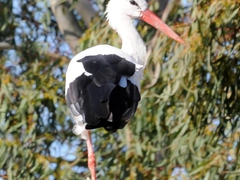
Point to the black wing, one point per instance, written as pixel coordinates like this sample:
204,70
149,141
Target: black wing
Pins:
98,97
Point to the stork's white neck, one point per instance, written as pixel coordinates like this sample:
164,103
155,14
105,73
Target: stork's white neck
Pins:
132,43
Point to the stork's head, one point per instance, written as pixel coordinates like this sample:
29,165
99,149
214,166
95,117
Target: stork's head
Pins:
118,10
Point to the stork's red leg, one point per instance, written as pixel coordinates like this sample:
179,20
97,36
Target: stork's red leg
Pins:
91,157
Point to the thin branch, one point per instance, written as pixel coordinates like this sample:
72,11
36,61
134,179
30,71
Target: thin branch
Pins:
151,44
165,14
163,5
5,45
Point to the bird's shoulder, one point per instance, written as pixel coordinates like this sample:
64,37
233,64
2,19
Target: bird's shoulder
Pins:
103,49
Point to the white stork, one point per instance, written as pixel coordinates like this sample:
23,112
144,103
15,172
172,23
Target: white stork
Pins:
103,82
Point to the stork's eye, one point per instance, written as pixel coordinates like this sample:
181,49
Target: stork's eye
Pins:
133,3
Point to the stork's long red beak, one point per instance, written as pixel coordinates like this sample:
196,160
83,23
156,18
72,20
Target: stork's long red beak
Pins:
150,18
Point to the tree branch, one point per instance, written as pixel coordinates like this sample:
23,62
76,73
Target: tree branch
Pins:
5,45
67,23
85,9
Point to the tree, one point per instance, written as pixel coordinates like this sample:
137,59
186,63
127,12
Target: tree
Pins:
188,117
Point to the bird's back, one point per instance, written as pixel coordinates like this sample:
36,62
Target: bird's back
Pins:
101,89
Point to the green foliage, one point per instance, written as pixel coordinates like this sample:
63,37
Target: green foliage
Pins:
188,116
31,101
